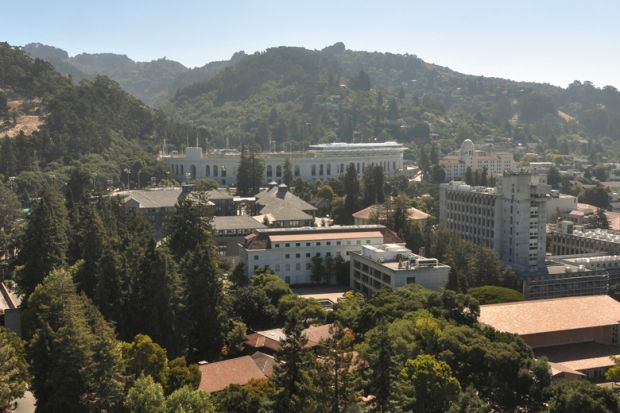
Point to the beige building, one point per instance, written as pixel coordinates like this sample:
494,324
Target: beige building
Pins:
496,163
393,266
380,213
578,334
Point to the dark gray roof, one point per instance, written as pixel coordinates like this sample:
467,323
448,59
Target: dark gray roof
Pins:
218,194
236,222
284,212
282,196
153,198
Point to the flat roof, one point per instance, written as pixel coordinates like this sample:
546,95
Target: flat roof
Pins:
325,236
548,315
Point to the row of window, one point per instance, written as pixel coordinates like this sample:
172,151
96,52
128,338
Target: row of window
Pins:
318,243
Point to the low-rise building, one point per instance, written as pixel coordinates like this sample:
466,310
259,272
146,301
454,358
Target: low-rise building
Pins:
10,312
468,157
156,204
283,209
268,341
289,252
217,376
229,232
380,214
571,239
578,333
559,204
393,266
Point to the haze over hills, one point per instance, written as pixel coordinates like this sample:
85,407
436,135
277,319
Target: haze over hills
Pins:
291,97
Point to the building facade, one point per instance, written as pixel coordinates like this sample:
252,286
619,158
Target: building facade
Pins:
510,218
393,266
456,164
571,239
289,252
319,162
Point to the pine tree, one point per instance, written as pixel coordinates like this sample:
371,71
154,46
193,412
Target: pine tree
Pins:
205,312
287,173
352,193
44,245
294,390
74,358
380,371
157,300
88,244
187,227
379,180
370,187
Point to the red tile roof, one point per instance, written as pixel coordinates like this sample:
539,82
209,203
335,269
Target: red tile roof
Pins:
414,213
270,339
240,370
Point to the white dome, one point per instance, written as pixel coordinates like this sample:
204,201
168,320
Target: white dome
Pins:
467,145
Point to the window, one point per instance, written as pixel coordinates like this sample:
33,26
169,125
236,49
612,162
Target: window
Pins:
329,169
296,170
255,267
318,244
367,241
307,255
338,242
215,170
207,170
276,245
256,258
328,243
223,169
287,245
328,254
287,256
298,244
278,171
313,170
307,244
321,169
297,255
318,254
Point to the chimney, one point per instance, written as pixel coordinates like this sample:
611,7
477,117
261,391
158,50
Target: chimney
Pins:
282,190
272,184
186,189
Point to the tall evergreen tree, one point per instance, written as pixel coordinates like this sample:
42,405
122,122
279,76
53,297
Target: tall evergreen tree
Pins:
380,372
352,193
205,311
88,244
187,227
157,300
379,180
74,358
294,389
370,188
287,172
44,245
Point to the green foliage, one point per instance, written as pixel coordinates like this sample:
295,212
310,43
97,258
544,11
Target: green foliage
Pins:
66,333
251,398
45,242
305,309
13,368
581,396
145,396
294,390
182,375
235,339
187,400
144,357
426,385
490,294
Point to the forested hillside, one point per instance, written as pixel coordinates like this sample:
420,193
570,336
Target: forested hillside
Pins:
95,123
293,97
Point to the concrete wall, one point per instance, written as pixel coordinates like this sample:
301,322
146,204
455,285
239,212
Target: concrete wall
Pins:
601,335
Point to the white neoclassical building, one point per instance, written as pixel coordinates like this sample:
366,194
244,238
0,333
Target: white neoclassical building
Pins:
320,162
468,156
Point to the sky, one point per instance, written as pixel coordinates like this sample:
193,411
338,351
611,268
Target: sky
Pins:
531,40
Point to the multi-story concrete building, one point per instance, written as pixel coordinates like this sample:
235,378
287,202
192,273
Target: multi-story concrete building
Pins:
496,163
229,231
510,218
570,239
319,162
289,252
393,266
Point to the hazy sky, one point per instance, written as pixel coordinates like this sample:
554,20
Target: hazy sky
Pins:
539,40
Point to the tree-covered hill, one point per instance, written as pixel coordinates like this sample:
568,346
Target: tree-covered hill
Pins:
149,81
292,97
95,122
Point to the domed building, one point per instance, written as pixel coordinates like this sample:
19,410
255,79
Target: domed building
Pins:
468,156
